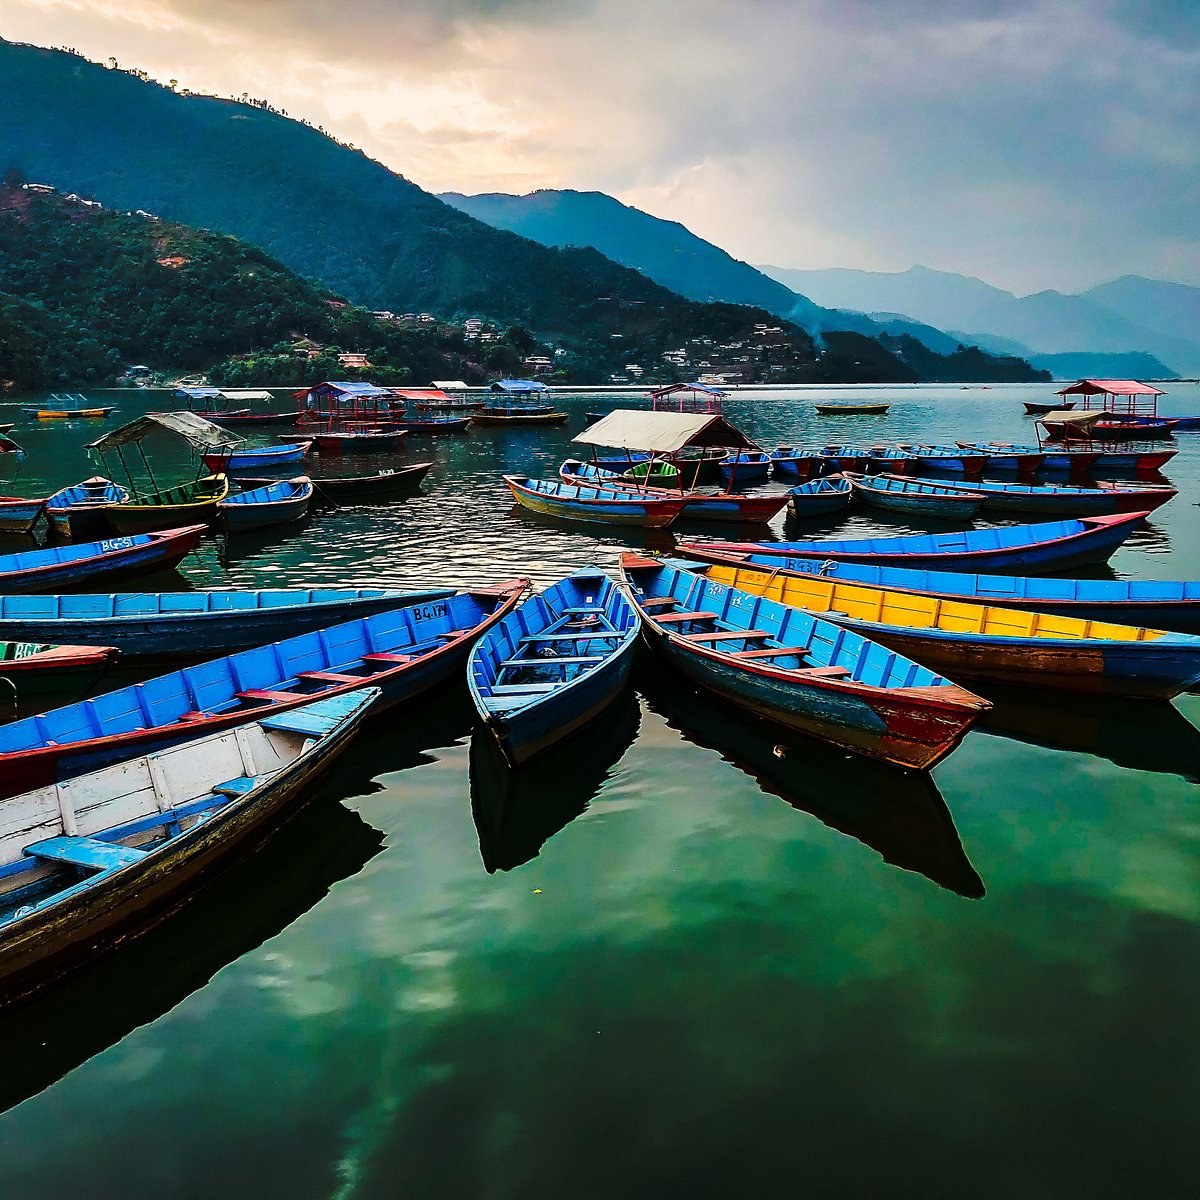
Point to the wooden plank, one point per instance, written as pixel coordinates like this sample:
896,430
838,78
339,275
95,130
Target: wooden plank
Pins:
676,618
85,852
749,635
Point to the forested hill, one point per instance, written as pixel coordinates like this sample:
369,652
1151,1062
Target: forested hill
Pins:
85,292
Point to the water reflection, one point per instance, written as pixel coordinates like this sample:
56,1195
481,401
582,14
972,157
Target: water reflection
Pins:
517,811
1144,735
899,814
242,908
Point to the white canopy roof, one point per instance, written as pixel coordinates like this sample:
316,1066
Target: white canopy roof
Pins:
246,394
195,430
662,432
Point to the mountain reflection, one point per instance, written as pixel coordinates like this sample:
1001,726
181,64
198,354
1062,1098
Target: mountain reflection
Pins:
899,814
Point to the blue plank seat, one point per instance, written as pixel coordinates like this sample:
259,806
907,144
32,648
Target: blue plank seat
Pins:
90,853
302,721
233,788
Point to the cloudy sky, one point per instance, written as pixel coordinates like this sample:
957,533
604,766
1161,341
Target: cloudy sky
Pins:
1037,143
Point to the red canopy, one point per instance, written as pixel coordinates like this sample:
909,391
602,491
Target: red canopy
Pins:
1110,387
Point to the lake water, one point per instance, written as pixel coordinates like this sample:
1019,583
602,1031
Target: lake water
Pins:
685,955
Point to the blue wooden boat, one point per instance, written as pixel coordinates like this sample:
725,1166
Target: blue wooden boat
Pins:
431,424
260,458
947,460
86,867
1028,549
798,669
975,641
53,568
272,504
790,462
554,664
78,511
914,497
193,624
604,505
403,652
1157,603
1060,500
819,497
19,514
860,459
1077,461
746,466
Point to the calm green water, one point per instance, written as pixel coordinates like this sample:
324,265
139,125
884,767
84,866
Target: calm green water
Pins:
684,956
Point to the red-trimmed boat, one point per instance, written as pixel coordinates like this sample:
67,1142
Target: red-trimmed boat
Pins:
36,669
593,503
1057,500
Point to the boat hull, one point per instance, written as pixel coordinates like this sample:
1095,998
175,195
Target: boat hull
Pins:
651,513
549,418
20,516
372,488
1072,502
928,501
255,460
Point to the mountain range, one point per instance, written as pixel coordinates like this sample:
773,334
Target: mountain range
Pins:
1128,315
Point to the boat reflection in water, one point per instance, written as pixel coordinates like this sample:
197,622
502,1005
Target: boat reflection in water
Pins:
239,910
900,814
518,810
1144,735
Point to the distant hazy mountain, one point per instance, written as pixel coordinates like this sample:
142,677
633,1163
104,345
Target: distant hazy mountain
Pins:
1103,366
1131,314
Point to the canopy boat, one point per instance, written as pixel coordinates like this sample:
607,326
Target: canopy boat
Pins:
591,502
62,406
78,511
999,645
8,446
946,460
358,439
1035,407
789,462
554,664
59,567
819,497
234,460
1059,429
274,504
186,503
852,410
688,398
797,669
86,866
915,497
19,514
1058,500
29,669
700,505
1078,461
438,401
748,466
1160,604
194,624
213,404
403,652
1028,549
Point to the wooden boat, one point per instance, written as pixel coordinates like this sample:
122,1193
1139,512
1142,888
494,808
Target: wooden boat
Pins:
1036,407
184,504
1010,462
8,446
403,652
1160,604
1181,423
275,504
8,428
592,417
1060,500
80,511
38,669
852,410
385,485
1078,461
19,514
194,624
1118,430
915,497
62,407
789,462
1027,549
708,505
861,460
358,441
947,460
640,469
747,466
999,645
235,459
819,497
506,416
554,664
699,465
433,424
797,669
584,502
84,867
55,567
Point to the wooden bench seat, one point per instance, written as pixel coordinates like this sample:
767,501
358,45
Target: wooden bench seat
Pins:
824,672
725,635
263,696
657,601
581,635
387,660
550,662
329,677
87,852
778,652
677,617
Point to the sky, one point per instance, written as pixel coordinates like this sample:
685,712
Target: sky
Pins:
1034,143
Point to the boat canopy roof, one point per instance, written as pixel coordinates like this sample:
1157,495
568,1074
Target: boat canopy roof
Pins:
1068,416
455,385
672,388
345,390
662,432
421,394
195,430
246,394
519,385
198,393
1109,387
